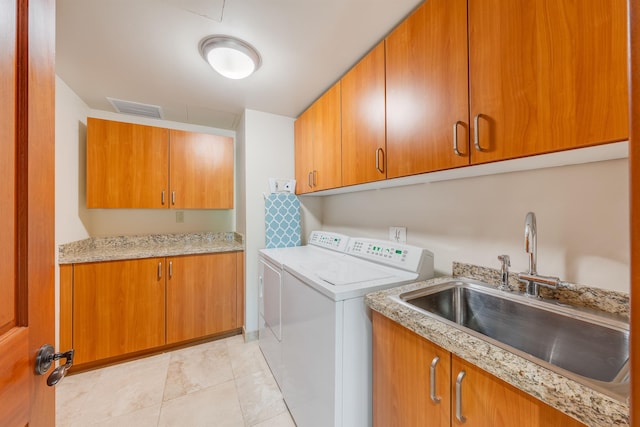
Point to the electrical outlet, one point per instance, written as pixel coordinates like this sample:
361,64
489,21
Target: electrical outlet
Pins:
179,216
398,234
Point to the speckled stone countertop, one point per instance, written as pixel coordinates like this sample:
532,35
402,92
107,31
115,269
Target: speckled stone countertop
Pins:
579,401
97,249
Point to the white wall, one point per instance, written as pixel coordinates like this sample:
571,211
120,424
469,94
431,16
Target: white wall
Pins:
265,149
582,217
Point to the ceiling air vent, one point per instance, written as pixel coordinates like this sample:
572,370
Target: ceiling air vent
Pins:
136,108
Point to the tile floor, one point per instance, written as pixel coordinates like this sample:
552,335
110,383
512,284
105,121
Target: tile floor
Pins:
220,383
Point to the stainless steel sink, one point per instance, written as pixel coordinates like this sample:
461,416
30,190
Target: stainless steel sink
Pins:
587,347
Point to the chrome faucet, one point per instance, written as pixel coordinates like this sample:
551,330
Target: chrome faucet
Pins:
532,279
504,272
530,241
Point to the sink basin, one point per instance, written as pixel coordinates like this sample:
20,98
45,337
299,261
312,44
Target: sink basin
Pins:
590,348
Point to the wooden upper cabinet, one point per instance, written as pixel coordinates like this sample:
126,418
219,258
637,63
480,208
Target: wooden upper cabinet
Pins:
303,151
318,144
363,120
402,379
487,401
201,170
546,75
126,165
137,166
327,141
201,295
427,90
118,308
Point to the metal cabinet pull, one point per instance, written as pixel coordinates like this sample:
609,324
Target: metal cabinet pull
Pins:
159,270
459,415
378,151
309,179
163,196
432,380
455,139
173,197
476,133
170,269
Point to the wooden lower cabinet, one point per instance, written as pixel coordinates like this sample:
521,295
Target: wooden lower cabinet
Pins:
490,402
402,387
118,308
112,309
201,295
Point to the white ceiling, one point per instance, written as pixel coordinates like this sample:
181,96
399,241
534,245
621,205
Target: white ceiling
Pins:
147,51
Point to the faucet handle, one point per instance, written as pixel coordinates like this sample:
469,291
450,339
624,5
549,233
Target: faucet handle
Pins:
505,260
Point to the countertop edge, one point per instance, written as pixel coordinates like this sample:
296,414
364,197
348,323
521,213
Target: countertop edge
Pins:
102,249
568,396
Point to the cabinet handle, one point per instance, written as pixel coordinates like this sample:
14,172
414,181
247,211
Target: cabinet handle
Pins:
163,196
476,133
378,151
432,379
159,270
170,269
173,197
455,139
315,177
309,178
459,415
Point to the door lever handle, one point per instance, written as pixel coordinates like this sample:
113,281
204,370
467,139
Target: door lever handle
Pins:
45,358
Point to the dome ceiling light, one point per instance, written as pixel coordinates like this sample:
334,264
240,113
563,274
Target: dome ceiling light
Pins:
231,57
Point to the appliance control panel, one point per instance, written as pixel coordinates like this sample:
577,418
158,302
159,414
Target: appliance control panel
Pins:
328,240
390,253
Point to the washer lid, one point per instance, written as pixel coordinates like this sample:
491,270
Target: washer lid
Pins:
345,272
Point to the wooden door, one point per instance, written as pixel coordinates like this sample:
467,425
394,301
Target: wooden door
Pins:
401,378
127,165
327,141
634,182
118,308
427,90
27,246
201,170
201,296
303,151
363,120
490,402
546,75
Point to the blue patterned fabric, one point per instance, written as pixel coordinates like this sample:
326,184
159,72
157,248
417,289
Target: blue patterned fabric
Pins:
282,220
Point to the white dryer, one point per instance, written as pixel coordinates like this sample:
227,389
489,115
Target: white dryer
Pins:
323,359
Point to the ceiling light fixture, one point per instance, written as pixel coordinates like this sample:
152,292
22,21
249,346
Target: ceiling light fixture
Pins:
229,56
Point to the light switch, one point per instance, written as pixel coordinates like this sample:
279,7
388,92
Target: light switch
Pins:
179,216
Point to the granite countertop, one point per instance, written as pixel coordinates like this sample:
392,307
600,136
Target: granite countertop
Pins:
96,249
579,401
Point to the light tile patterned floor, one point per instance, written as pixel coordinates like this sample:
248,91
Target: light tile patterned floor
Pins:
220,383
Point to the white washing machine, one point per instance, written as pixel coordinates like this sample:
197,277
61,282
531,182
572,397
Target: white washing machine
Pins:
324,355
270,275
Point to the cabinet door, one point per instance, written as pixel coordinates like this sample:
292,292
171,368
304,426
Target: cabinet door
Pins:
201,170
327,151
402,362
487,401
127,165
546,75
201,296
363,120
427,90
303,151
118,308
